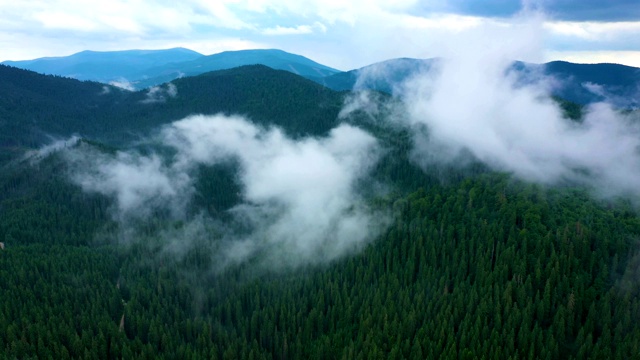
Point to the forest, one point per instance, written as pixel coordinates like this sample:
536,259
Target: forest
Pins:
475,263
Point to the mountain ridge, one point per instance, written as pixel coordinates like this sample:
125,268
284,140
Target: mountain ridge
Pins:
579,83
139,69
35,108
494,265
273,58
104,66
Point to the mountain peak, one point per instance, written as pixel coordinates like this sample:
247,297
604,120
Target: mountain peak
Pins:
145,68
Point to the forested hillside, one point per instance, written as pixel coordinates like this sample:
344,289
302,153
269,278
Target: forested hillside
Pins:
143,69
35,108
140,69
473,264
578,83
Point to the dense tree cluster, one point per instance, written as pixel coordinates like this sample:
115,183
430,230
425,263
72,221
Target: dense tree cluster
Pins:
483,266
474,265
35,108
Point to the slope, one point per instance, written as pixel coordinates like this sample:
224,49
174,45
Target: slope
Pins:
578,83
267,96
35,108
488,265
587,83
382,76
145,68
478,264
273,58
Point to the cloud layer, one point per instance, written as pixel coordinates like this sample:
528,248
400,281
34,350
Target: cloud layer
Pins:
300,203
344,35
471,103
574,10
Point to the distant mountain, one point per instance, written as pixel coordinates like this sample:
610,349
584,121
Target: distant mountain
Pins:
579,83
140,69
92,241
35,108
382,76
587,83
106,66
145,68
275,59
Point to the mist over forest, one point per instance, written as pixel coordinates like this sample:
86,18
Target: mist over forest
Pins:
466,206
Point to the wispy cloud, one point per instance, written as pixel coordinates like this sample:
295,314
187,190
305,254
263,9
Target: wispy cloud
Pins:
298,30
139,184
123,84
160,93
343,35
35,156
300,200
472,104
603,31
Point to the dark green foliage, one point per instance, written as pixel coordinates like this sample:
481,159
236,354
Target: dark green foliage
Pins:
217,189
39,205
474,265
482,267
265,96
35,109
571,110
58,302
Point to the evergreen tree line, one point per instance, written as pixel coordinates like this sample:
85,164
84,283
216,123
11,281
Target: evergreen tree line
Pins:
475,264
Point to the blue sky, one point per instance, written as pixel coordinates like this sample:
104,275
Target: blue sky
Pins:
338,33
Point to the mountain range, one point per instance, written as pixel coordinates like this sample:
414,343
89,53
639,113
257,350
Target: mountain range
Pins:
470,262
35,107
106,66
139,69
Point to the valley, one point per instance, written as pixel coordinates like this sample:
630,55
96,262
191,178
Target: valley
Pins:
252,212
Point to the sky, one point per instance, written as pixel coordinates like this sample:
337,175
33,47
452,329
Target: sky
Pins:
341,34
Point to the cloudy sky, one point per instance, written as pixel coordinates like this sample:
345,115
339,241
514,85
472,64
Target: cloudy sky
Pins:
338,33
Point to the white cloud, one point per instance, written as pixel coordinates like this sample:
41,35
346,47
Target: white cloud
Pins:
341,34
122,24
331,11
220,14
593,30
157,94
300,196
62,20
140,184
123,84
448,22
35,156
472,104
300,205
298,30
